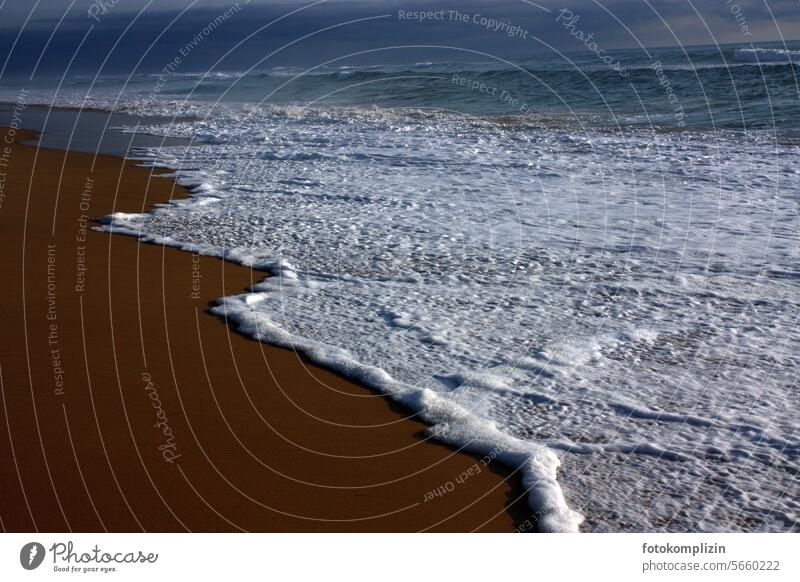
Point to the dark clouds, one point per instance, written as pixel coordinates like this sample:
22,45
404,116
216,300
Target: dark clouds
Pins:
156,35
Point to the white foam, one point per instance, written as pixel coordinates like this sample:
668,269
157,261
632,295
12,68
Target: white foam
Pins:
767,56
613,314
450,422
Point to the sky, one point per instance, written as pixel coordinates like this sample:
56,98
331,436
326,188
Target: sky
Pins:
118,36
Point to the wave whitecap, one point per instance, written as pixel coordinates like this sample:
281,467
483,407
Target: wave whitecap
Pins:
767,55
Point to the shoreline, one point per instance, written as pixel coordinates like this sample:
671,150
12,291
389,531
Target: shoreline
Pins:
260,440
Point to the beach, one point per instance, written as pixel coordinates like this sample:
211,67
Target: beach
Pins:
127,406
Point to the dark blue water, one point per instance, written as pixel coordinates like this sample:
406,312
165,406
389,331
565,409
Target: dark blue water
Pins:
744,87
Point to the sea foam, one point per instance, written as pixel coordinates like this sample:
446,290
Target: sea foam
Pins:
614,314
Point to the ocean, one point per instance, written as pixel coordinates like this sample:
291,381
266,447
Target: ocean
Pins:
586,268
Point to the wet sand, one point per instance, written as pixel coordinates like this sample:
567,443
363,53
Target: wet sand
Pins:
126,406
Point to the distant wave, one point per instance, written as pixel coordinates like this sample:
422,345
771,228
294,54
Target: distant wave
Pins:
742,58
354,74
498,72
767,55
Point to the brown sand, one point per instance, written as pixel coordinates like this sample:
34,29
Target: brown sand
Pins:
262,441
